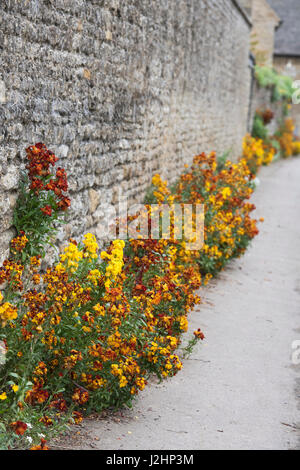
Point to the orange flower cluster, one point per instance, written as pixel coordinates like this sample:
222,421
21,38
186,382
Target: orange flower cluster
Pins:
18,243
285,137
11,272
41,446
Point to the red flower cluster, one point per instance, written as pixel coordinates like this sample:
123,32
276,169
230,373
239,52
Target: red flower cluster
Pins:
267,116
19,427
58,402
198,334
40,159
80,396
36,395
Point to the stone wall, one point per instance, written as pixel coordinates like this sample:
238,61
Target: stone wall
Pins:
119,90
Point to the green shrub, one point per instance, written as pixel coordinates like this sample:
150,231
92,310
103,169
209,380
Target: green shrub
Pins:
280,84
259,129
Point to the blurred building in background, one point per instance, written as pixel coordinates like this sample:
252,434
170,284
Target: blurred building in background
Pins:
265,21
287,37
287,44
275,38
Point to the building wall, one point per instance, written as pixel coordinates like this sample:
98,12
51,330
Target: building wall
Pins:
290,66
247,5
264,21
119,90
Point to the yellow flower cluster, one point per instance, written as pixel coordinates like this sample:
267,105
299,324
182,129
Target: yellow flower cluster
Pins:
226,192
161,190
71,257
253,147
91,246
94,276
7,311
73,254
115,258
118,372
257,153
296,147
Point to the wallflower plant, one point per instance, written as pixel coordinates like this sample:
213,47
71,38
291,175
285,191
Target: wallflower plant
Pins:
87,332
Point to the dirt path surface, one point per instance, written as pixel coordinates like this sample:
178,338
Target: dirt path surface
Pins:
239,389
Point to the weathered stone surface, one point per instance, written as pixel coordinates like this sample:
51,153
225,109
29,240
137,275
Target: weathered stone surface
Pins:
94,197
2,353
10,179
2,92
120,90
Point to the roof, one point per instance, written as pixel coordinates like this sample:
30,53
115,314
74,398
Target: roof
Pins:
287,37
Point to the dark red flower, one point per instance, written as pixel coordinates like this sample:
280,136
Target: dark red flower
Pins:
19,427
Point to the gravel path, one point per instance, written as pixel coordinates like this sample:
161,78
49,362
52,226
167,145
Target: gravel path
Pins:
239,389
